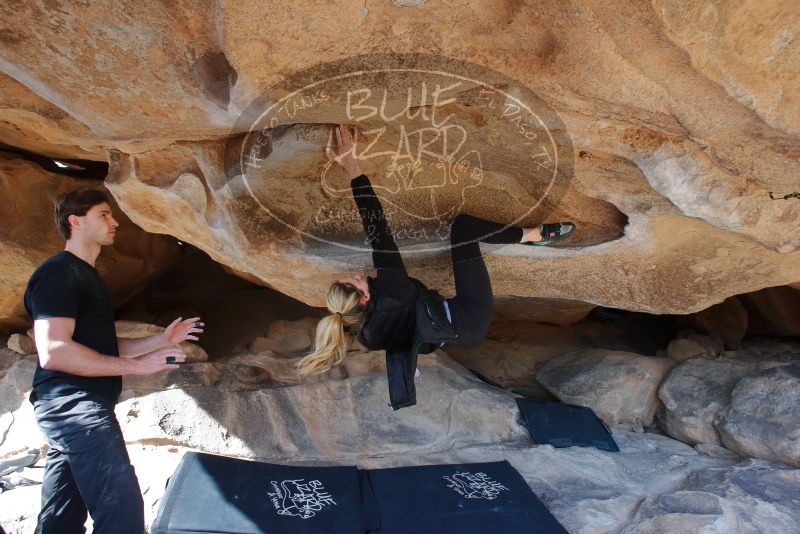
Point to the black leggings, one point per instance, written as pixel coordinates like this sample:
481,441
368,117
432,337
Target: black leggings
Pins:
471,309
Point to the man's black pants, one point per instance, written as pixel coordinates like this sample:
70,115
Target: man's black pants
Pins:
87,467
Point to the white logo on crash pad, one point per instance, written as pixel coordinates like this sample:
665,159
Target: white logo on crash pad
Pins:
475,485
299,498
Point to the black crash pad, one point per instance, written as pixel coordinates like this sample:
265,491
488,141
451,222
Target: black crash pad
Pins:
565,425
210,493
457,499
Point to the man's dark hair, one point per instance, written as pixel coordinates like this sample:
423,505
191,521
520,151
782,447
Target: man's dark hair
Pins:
76,202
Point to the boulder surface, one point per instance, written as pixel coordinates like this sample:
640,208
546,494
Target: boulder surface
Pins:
621,387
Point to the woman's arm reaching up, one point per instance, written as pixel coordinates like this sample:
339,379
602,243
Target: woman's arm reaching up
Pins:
385,254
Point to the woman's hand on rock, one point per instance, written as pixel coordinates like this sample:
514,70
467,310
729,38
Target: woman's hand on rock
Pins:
345,151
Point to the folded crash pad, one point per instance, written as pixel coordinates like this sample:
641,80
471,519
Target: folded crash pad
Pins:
565,425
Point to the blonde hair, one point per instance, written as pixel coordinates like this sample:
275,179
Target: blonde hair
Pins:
331,340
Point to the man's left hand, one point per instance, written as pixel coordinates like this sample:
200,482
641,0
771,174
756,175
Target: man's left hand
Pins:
180,330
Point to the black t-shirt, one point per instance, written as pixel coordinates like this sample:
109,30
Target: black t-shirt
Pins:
66,286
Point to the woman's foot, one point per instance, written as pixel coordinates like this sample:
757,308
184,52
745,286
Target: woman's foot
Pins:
546,233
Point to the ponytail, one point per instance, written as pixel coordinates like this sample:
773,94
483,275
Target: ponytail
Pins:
331,340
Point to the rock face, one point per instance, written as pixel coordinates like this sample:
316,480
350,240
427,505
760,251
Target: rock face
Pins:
715,451
28,236
667,175
773,311
745,403
551,311
710,501
723,28
515,350
675,163
690,344
712,345
727,320
21,344
693,395
763,415
235,311
768,312
336,418
15,410
682,349
654,484
287,338
7,359
621,387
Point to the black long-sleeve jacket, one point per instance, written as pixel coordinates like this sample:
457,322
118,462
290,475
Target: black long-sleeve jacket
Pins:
390,318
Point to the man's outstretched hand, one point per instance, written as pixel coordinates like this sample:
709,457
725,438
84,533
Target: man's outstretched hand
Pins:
156,361
180,330
345,151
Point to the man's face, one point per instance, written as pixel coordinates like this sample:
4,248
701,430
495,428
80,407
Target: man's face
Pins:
98,225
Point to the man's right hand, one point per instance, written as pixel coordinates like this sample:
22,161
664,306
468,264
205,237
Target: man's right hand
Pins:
156,361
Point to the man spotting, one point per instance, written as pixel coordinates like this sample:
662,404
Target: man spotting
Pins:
78,376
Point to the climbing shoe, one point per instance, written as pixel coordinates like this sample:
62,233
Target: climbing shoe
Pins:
552,232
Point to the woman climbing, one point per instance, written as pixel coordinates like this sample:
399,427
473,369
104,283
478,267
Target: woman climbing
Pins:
397,313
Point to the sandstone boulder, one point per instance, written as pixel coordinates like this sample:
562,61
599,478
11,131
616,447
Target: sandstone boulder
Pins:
186,377
342,418
550,311
773,311
712,344
287,338
695,392
514,350
682,349
28,236
31,122
16,383
249,371
7,359
727,320
255,235
21,344
621,387
766,348
753,496
335,417
715,451
670,187
744,401
711,36
16,411
694,143
763,415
